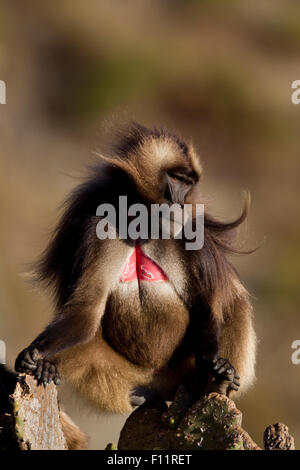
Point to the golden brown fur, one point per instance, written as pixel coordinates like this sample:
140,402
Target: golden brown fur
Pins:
108,338
76,439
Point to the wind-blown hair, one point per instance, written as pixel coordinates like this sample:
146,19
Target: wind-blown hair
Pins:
74,242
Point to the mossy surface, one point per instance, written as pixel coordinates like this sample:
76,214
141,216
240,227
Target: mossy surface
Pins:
212,423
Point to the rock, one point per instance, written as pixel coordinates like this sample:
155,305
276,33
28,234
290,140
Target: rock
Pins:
277,437
212,423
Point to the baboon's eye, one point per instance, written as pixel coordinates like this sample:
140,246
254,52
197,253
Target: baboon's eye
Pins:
176,177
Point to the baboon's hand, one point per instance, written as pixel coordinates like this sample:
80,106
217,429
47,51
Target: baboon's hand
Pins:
27,360
31,362
223,377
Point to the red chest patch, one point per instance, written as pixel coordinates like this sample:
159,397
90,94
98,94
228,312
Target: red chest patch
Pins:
139,266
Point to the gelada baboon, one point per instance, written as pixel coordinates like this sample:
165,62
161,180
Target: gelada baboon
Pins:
122,337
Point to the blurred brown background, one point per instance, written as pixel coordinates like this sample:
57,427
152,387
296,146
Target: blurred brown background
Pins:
220,73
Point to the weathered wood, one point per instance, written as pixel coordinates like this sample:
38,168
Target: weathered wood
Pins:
32,420
30,416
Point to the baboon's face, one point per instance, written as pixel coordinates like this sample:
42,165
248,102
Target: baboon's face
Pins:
164,172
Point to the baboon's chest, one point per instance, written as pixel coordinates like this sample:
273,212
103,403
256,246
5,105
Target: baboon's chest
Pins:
144,318
140,267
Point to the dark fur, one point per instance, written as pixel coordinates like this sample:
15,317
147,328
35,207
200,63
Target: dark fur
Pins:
67,255
151,339
8,381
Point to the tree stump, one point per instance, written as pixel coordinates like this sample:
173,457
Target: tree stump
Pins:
32,419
